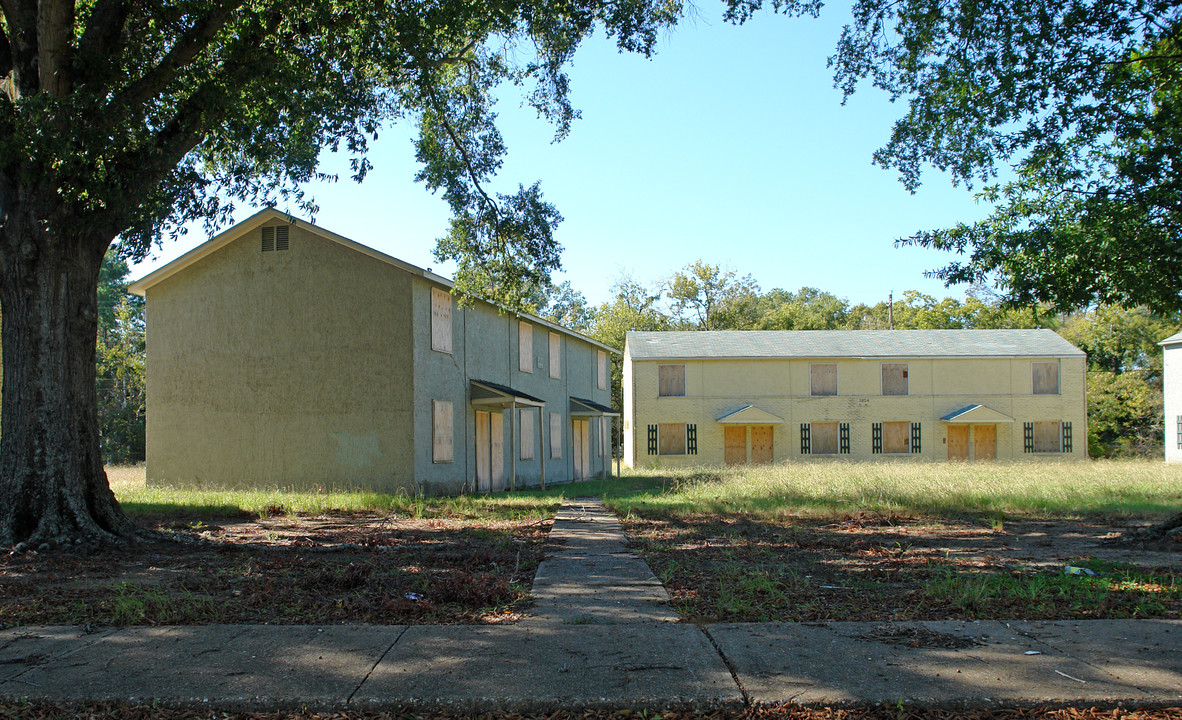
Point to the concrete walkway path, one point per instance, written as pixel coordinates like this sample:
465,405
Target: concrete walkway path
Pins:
601,636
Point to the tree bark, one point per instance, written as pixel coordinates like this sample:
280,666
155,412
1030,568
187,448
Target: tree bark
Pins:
53,489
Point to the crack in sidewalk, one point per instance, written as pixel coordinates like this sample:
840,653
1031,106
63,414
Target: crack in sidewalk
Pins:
729,666
349,700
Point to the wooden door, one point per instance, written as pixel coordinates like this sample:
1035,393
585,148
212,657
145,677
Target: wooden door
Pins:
958,442
762,450
497,448
483,459
585,453
984,442
581,449
734,440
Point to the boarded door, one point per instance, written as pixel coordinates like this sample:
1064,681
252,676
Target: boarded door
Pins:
958,442
483,459
581,449
761,444
984,442
497,446
734,438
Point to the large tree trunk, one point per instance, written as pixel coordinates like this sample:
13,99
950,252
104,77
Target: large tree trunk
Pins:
53,489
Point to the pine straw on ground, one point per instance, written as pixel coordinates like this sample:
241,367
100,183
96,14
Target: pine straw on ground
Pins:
102,711
343,567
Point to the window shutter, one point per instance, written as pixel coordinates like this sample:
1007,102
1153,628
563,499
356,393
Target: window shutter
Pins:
915,437
805,439
844,430
691,439
876,438
1028,437
1066,437
268,239
652,439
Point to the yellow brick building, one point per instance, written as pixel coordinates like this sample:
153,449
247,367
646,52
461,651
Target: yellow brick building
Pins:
735,397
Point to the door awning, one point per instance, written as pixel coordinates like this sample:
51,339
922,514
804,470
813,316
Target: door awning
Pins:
589,408
490,394
750,415
976,414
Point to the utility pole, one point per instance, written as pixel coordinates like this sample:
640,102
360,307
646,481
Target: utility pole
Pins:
891,310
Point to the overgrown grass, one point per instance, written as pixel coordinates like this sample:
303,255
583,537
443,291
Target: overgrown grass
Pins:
1043,489
137,499
1116,590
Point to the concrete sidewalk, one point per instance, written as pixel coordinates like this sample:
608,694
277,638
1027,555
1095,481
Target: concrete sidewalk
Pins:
602,636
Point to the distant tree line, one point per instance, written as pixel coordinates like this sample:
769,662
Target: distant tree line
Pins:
1124,381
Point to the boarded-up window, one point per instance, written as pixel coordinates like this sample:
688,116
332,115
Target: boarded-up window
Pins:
823,379
601,380
442,444
671,438
555,435
824,438
1046,437
440,320
528,438
896,437
1045,378
894,378
555,355
525,347
671,380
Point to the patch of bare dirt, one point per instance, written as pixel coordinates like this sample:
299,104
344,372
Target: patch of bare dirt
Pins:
285,569
870,567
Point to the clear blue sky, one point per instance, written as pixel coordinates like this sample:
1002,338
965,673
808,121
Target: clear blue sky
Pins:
730,145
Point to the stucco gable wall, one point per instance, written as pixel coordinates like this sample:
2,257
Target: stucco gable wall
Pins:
289,368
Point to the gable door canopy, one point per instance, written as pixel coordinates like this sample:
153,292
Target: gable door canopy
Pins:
487,394
750,415
580,407
977,414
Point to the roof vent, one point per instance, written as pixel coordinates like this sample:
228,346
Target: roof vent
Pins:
276,238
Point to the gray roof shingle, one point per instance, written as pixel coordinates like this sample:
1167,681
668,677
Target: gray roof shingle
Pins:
848,344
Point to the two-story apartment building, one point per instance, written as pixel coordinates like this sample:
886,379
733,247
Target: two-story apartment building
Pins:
283,355
734,397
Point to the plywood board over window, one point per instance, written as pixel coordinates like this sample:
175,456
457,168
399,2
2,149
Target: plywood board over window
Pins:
555,355
525,347
823,438
894,378
671,380
671,437
1047,437
442,444
440,320
896,437
602,374
1044,377
823,379
528,438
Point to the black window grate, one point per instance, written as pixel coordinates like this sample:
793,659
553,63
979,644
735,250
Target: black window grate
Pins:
1066,437
1028,437
876,438
691,439
652,439
916,435
806,442
844,438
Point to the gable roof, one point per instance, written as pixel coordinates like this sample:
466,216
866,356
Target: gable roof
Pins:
1175,339
976,414
750,415
262,217
774,344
